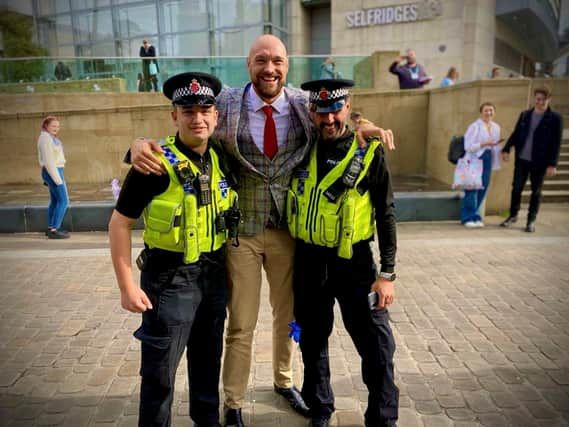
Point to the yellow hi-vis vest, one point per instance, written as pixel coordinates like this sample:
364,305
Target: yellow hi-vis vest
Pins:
175,222
315,219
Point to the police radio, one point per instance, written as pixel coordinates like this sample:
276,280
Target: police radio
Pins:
353,170
203,189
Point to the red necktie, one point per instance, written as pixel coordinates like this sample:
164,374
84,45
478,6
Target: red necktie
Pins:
270,146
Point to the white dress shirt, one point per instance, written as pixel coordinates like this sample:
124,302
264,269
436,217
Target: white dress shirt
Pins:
476,134
257,117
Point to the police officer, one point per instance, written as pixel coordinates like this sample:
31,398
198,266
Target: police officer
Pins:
337,200
188,215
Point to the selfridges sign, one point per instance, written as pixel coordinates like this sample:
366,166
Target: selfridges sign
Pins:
410,12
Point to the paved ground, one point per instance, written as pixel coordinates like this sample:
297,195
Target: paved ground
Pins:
481,324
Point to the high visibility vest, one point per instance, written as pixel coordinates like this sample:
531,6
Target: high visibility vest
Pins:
174,220
313,218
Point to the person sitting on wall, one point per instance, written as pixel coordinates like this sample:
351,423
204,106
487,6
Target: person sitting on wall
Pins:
62,71
451,78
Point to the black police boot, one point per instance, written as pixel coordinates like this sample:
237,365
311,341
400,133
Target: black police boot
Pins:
530,227
233,418
511,220
319,422
294,399
388,423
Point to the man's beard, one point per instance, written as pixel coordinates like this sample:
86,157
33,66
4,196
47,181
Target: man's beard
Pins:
326,135
340,131
264,91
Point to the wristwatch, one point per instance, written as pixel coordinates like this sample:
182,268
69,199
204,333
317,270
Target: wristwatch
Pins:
389,276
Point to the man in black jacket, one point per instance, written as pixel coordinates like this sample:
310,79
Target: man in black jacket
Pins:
537,139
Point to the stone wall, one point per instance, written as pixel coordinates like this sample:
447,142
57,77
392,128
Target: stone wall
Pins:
462,36
93,85
98,128
406,112
95,141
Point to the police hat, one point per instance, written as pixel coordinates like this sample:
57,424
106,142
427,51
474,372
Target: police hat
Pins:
328,95
192,88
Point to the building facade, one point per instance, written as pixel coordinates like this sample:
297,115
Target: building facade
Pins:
116,28
523,37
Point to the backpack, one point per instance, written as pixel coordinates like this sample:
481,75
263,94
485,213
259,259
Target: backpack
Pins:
456,149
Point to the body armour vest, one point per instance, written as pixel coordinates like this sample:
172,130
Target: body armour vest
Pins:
175,221
314,218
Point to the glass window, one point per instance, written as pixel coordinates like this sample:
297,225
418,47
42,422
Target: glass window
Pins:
51,7
55,31
131,48
183,15
235,42
104,49
137,21
232,13
189,44
94,26
89,4
62,51
278,13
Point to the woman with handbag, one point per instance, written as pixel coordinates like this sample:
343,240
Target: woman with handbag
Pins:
481,143
52,161
150,68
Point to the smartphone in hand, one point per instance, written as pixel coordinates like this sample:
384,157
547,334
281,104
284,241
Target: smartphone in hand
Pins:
372,300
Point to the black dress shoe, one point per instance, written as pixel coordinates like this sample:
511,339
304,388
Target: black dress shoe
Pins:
530,227
511,220
57,234
319,422
233,418
294,399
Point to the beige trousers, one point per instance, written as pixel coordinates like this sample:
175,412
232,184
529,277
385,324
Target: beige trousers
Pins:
272,250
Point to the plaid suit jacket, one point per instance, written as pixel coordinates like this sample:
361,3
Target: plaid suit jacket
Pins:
262,184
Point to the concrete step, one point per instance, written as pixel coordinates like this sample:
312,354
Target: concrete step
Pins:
548,196
94,216
561,174
550,184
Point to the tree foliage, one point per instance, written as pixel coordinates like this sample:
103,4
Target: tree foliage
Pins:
17,30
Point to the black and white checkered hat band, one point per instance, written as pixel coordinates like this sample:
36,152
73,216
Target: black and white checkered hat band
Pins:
186,91
332,95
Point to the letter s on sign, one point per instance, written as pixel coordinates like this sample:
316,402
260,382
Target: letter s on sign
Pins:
413,12
350,19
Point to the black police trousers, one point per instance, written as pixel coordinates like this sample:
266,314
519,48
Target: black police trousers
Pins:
320,278
189,303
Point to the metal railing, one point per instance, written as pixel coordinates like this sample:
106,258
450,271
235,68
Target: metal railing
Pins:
17,74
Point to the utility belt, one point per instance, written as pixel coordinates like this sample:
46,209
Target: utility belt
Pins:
156,259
